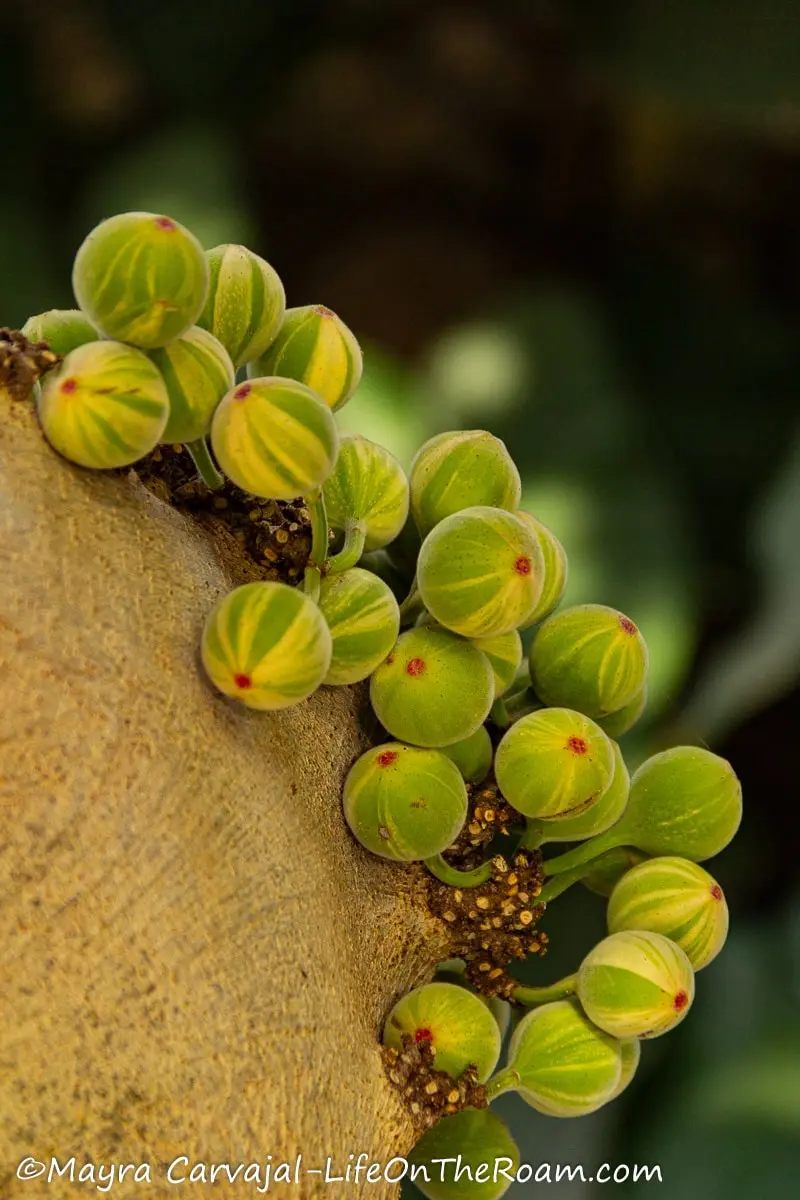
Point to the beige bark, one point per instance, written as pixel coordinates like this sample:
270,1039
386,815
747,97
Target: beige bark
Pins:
196,957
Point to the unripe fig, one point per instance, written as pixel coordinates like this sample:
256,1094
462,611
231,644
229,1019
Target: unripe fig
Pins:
104,406
368,489
676,898
433,689
453,970
565,1065
245,303
598,817
315,347
556,569
266,645
472,755
274,438
480,572
553,763
589,657
469,1155
198,372
63,329
405,803
615,724
141,278
603,874
453,471
504,653
631,1056
364,619
456,1024
635,984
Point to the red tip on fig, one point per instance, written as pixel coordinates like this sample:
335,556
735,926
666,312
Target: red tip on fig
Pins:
627,625
243,681
416,666
680,1001
423,1035
716,892
323,311
166,223
387,758
69,386
577,745
242,391
523,565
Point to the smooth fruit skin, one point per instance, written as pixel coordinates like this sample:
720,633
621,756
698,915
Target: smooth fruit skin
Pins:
684,801
364,619
604,874
368,487
556,569
618,723
266,645
676,898
274,438
567,1067
589,657
631,1057
472,755
480,572
636,984
405,803
462,1030
598,817
198,372
554,762
453,471
504,653
104,406
433,689
474,1138
141,278
245,303
315,347
64,329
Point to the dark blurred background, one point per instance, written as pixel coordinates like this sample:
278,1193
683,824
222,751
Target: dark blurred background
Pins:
573,224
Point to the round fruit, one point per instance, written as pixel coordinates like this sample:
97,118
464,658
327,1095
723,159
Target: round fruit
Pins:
454,471
364,620
64,329
315,347
636,984
369,489
505,656
598,817
274,438
459,1154
472,755
104,406
455,1023
556,569
619,722
198,372
480,572
266,645
433,689
141,278
405,803
245,303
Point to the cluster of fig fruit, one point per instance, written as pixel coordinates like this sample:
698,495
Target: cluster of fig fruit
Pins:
174,344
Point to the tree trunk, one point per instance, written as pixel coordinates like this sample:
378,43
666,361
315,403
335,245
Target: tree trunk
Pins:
197,957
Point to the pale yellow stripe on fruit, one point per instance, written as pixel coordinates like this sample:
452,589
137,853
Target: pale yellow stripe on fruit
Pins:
311,445
280,662
329,362
249,624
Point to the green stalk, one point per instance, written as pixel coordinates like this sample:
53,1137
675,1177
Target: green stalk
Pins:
455,878
587,852
315,503
565,879
350,552
499,714
201,457
506,1080
534,835
531,996
412,606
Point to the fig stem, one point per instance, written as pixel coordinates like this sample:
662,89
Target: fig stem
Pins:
587,852
201,457
499,714
412,606
315,503
565,879
504,1081
531,996
351,551
455,878
534,835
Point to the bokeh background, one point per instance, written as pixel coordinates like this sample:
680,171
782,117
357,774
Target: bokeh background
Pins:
572,224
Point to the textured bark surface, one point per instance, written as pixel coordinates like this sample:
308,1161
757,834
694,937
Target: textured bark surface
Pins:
196,957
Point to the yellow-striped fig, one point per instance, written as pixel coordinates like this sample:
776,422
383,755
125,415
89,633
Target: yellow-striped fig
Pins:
595,819
589,657
619,722
676,898
480,572
198,372
453,471
104,406
556,569
63,329
469,1155
455,1023
274,438
472,755
433,689
635,984
364,619
504,653
141,278
245,303
315,347
405,803
368,490
553,763
266,645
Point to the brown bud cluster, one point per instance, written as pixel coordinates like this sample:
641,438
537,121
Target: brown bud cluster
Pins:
429,1094
22,363
488,815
